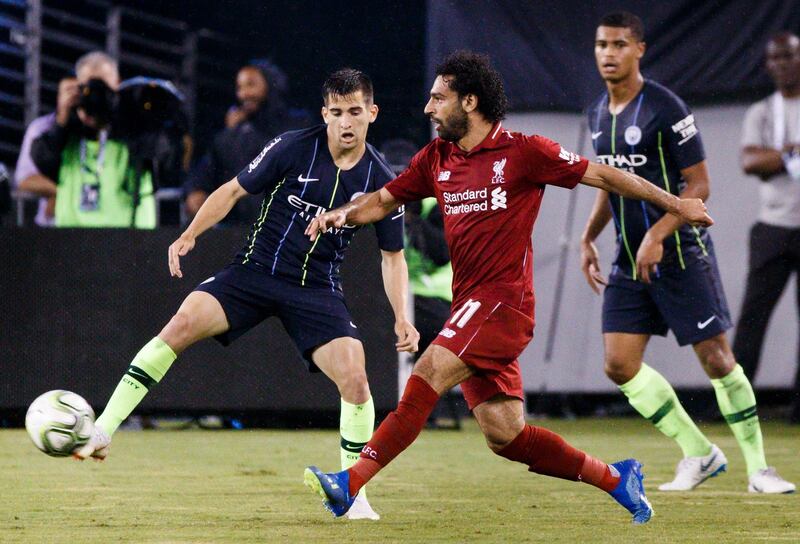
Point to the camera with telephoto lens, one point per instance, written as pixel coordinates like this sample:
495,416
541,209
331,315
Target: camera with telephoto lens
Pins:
97,99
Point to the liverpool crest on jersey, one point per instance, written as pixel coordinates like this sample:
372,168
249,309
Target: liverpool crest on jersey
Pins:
497,168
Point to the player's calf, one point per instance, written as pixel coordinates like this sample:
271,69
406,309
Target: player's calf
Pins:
548,454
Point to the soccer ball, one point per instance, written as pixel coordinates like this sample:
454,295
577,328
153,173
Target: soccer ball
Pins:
59,422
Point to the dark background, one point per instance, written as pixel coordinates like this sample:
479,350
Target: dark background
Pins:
84,301
74,303
309,39
707,51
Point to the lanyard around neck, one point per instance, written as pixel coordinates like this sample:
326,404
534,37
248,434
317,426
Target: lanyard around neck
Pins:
102,139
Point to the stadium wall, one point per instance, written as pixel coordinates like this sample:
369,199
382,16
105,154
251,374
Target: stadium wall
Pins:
706,51
77,305
576,363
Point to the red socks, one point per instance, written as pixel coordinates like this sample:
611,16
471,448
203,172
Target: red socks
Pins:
598,474
543,451
547,453
396,432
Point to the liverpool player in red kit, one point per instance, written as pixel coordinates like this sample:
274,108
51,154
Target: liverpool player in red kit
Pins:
489,184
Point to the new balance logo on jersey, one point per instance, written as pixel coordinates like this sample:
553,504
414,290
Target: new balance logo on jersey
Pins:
444,175
568,156
447,333
499,199
254,164
686,128
497,168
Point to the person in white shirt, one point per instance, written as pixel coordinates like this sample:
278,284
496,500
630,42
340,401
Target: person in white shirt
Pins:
771,151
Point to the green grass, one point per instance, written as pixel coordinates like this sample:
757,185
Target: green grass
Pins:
245,486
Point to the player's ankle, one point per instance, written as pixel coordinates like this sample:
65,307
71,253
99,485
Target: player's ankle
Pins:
356,482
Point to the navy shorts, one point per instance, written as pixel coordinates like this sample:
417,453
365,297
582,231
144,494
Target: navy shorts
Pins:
312,316
689,301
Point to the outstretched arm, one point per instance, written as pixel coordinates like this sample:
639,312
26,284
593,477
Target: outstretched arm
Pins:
590,258
651,249
395,282
367,208
629,185
213,210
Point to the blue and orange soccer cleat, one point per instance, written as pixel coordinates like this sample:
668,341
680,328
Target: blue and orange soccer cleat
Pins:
630,490
333,487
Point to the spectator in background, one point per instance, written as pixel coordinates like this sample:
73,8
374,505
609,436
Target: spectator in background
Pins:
771,151
27,176
100,183
261,113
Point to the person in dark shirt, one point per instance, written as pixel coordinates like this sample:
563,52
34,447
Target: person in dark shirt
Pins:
665,273
261,113
279,272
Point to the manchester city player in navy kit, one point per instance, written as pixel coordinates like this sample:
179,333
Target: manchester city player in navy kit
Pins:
664,276
280,272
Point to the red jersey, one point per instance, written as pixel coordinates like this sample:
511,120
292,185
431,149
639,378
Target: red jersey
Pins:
490,198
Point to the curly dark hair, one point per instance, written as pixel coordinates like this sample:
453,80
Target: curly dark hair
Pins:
347,81
472,73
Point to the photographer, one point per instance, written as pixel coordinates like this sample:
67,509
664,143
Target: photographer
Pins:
100,182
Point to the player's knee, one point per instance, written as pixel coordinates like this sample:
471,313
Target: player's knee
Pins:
619,370
498,439
716,360
353,386
179,331
425,369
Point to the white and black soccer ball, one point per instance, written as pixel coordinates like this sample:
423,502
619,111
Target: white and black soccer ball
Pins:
59,422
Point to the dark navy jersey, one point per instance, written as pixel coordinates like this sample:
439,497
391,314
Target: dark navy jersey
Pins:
299,180
655,137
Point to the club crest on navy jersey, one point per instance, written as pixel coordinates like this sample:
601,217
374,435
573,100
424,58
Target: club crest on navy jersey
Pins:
633,135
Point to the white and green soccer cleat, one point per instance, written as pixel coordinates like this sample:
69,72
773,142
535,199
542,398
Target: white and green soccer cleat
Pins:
693,471
768,481
97,447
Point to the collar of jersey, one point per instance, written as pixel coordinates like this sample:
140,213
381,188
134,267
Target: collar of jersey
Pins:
492,140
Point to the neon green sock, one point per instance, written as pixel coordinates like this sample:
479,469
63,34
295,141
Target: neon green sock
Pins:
737,402
146,370
653,397
356,423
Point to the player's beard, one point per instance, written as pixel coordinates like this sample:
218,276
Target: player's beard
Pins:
455,126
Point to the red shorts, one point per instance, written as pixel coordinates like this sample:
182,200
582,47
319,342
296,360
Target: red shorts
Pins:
488,336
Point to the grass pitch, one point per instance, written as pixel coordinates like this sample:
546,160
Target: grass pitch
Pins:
246,486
